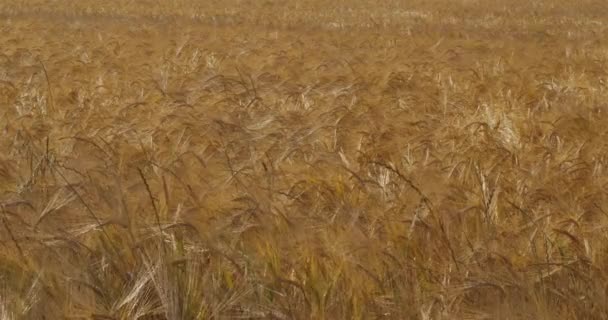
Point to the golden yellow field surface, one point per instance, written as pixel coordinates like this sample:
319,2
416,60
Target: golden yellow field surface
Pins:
303,159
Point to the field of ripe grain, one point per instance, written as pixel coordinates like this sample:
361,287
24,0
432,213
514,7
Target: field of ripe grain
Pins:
308,159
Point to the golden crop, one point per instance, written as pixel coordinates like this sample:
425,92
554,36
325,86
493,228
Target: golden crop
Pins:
308,159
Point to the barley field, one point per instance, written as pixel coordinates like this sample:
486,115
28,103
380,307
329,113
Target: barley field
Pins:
308,159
